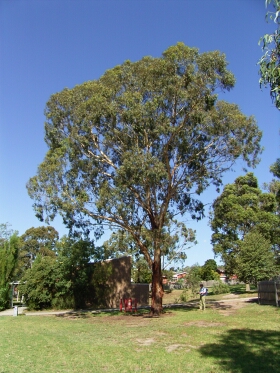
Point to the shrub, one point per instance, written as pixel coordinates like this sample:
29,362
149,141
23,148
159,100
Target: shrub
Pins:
194,278
63,302
60,282
184,297
4,297
220,288
38,283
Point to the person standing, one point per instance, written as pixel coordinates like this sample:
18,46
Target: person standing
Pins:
202,294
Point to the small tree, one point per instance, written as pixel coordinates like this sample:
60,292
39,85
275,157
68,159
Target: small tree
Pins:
255,260
9,246
8,258
209,270
242,208
194,278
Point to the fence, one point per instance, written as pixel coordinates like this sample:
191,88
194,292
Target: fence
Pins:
269,292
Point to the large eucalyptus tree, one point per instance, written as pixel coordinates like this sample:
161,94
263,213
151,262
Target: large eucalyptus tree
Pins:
134,148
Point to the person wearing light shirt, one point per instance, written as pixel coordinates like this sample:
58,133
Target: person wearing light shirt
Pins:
202,294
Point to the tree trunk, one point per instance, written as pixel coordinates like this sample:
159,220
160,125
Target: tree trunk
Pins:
157,288
248,287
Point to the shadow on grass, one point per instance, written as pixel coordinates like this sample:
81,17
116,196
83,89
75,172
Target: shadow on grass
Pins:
182,307
223,305
72,315
246,350
241,289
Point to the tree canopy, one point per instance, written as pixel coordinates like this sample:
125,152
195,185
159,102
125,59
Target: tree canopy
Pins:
39,240
209,270
241,209
34,241
255,260
136,147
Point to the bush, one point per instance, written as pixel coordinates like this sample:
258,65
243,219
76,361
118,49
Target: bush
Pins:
185,296
63,302
38,283
56,283
220,288
60,282
4,297
194,278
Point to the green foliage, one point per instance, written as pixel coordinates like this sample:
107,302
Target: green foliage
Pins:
194,278
256,259
209,270
88,280
9,244
141,273
63,281
274,185
45,282
275,168
242,208
185,295
168,273
8,258
176,239
4,297
270,61
220,288
34,241
137,146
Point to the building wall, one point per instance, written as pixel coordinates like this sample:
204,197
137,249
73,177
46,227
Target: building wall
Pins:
120,286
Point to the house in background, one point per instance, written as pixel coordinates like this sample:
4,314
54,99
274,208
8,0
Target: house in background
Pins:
222,274
178,276
227,279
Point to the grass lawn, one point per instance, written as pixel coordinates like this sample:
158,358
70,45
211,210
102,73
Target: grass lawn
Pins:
220,339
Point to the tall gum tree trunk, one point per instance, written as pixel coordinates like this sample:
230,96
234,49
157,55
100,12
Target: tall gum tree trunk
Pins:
157,289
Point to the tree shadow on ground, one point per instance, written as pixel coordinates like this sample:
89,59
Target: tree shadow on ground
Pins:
181,307
246,350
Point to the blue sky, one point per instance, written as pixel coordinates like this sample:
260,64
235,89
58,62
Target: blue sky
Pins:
47,45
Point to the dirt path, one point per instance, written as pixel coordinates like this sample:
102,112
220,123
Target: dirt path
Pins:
230,304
